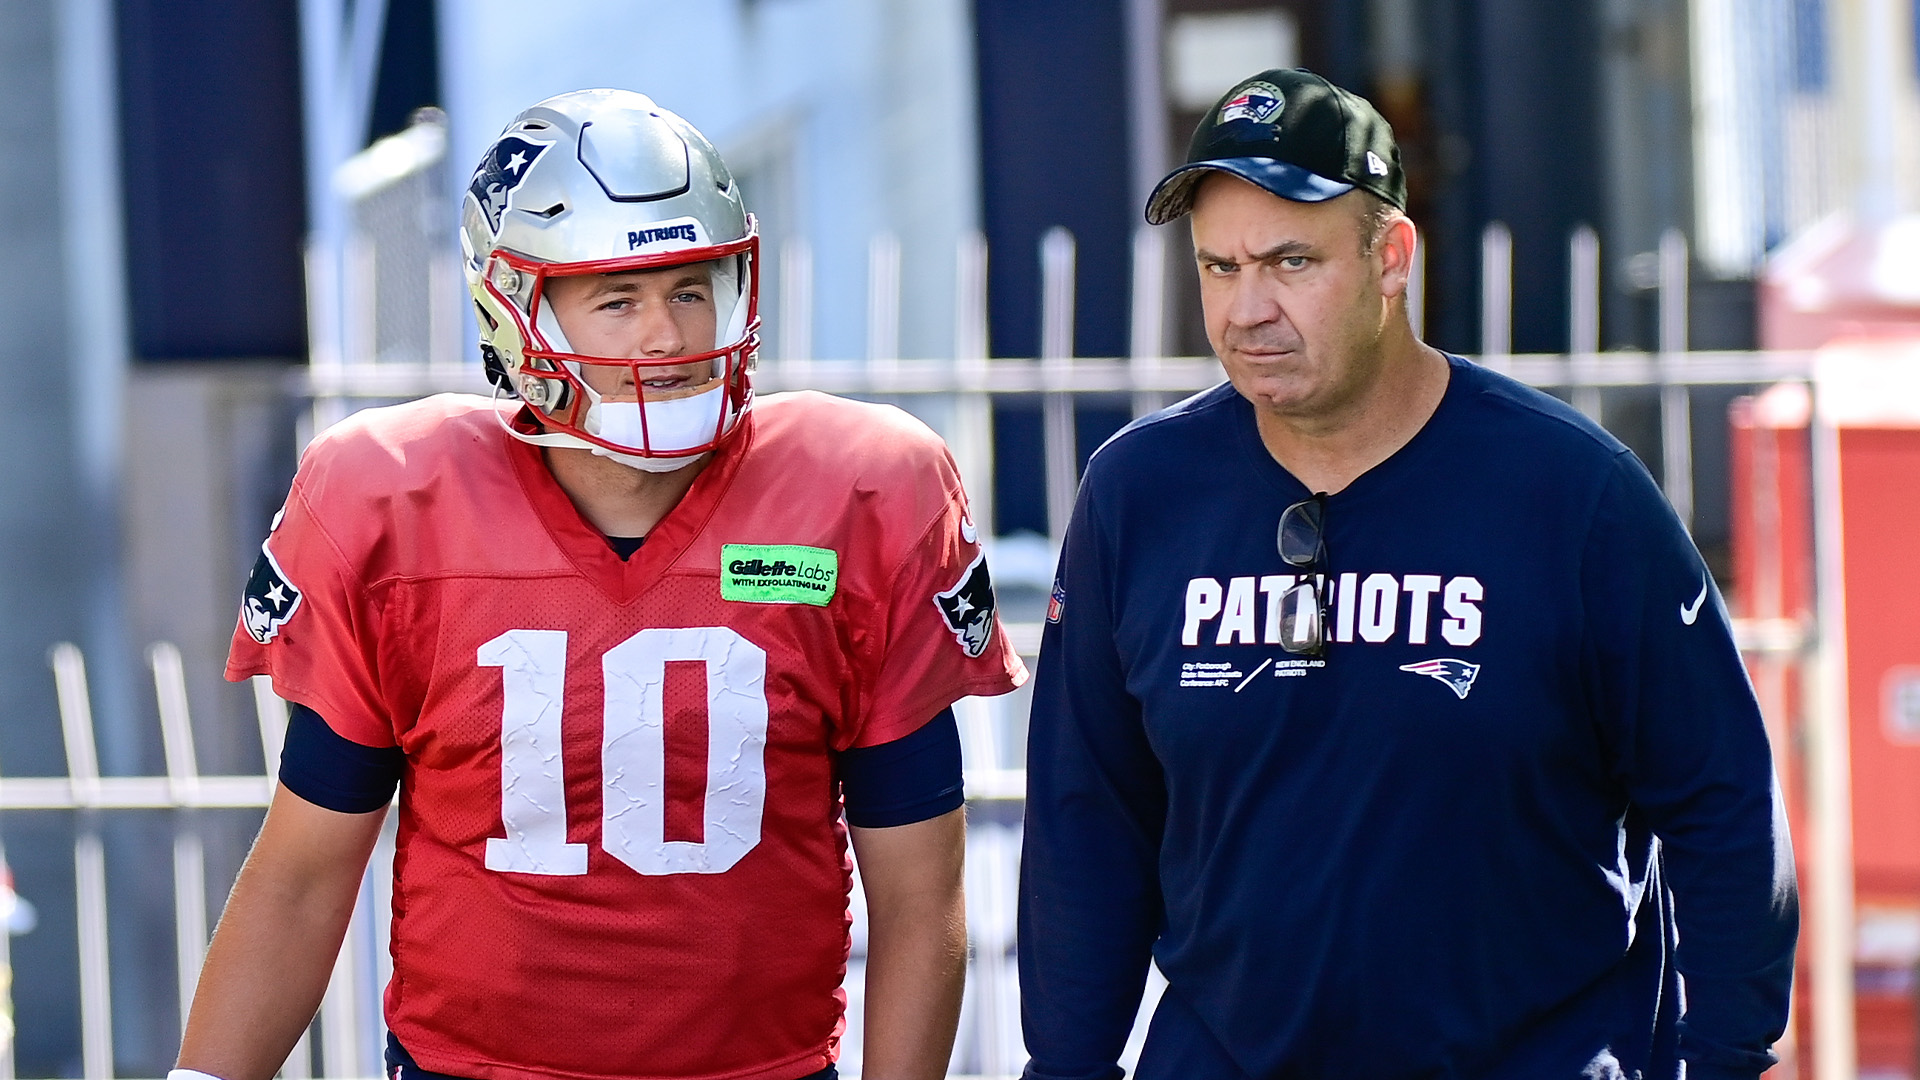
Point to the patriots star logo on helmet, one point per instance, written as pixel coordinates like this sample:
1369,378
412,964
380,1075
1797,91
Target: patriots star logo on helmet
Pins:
270,598
1458,675
968,607
1256,101
501,170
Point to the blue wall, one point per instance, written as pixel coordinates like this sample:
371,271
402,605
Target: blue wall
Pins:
215,195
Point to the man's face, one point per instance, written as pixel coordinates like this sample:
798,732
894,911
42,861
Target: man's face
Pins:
638,315
1293,309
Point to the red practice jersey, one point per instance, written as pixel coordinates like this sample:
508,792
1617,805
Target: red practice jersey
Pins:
620,847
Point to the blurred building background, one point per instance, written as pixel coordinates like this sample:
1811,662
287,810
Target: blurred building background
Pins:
190,199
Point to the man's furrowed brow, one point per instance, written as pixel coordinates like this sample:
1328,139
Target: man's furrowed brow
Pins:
1281,250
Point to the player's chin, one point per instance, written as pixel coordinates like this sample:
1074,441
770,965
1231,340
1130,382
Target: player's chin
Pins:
1268,381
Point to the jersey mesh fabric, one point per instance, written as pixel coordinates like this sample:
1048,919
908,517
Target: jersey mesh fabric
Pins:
453,600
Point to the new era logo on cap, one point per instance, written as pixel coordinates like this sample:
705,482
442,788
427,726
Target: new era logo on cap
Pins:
1375,165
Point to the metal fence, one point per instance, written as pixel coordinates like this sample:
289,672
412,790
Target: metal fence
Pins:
344,1042
348,1030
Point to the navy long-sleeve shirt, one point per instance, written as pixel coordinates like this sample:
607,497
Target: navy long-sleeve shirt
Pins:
1525,791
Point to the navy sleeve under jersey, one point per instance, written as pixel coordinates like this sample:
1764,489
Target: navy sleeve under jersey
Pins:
332,771
913,778
1524,792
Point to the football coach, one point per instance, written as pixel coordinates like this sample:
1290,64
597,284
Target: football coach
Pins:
1384,701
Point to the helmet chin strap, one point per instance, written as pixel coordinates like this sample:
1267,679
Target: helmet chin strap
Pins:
692,419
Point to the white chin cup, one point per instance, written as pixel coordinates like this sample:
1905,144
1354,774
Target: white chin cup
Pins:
673,429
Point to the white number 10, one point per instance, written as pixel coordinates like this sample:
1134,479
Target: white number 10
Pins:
633,752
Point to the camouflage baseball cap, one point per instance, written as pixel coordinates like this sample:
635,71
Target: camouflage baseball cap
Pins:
1292,133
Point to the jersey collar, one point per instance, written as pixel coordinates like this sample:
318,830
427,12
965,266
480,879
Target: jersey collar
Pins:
623,581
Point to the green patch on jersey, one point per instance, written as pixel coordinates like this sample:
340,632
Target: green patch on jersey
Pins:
778,573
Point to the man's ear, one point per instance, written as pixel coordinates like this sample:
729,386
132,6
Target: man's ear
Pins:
1395,249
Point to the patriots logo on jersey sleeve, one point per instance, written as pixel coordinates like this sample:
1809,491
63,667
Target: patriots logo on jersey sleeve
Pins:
270,598
500,171
1458,675
968,607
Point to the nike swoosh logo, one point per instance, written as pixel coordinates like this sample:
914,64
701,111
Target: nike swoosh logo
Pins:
1690,612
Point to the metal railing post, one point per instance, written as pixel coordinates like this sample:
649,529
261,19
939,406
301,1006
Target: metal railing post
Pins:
1676,402
272,713
1057,255
972,407
1830,870
796,307
189,857
1583,316
1147,341
883,304
1496,295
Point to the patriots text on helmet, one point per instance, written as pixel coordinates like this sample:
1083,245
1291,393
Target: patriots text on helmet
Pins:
639,238
1375,608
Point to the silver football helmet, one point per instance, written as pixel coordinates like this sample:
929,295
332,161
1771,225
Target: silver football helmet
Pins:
598,182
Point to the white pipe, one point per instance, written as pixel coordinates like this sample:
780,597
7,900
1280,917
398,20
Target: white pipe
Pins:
1676,401
973,409
1057,254
796,305
1830,781
96,996
1147,342
1583,311
272,714
189,914
1877,132
176,726
883,303
76,721
1496,295
1146,96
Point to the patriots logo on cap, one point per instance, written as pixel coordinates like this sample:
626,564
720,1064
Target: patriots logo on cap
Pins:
1457,674
1258,101
501,170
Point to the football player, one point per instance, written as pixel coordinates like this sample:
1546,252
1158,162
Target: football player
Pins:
626,647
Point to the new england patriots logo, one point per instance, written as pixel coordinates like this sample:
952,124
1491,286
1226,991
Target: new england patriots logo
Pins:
1457,674
270,598
500,171
1255,101
968,607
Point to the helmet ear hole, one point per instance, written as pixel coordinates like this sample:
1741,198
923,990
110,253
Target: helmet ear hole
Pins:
496,370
